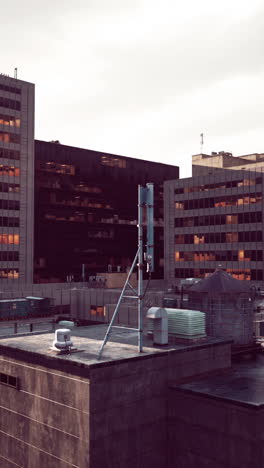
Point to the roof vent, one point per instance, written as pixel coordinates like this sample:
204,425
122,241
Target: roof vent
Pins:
159,323
62,340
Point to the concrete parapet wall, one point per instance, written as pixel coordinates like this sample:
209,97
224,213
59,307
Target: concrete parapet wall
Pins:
205,432
194,362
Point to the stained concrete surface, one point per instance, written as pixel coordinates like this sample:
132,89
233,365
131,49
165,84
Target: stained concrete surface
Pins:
122,344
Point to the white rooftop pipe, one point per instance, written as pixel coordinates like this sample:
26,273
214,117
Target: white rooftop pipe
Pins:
160,321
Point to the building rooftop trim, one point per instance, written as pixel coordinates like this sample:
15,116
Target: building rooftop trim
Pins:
221,174
8,78
104,153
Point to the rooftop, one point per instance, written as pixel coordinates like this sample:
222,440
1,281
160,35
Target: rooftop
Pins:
122,346
243,384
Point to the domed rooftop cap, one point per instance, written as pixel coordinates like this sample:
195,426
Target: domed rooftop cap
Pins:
220,282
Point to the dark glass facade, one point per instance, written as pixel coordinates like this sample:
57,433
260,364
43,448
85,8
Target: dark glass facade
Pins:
86,211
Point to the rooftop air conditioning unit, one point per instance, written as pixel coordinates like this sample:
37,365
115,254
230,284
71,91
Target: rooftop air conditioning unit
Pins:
186,324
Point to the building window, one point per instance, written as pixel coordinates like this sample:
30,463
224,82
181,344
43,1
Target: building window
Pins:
231,237
177,256
217,220
179,206
198,239
9,188
257,275
219,185
179,239
9,154
113,162
9,222
82,187
7,273
9,205
9,256
57,167
9,380
242,275
10,89
241,255
231,219
10,103
218,202
9,120
179,190
9,170
9,239
99,311
9,137
219,256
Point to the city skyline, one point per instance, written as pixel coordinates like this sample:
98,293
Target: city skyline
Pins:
143,79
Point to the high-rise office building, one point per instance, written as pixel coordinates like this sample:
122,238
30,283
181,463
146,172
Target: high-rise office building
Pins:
16,180
216,218
86,211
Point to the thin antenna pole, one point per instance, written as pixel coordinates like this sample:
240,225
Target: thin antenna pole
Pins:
201,141
140,267
15,73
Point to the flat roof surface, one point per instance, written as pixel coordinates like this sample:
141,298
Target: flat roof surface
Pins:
122,345
243,384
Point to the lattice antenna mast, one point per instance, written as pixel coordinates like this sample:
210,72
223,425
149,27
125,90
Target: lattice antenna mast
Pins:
145,201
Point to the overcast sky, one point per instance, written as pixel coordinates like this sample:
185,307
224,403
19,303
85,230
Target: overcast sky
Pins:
141,78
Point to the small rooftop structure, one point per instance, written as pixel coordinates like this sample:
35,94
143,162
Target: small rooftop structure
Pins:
228,304
220,282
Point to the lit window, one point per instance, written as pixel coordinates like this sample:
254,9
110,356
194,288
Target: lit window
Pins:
113,162
9,170
9,239
98,310
179,206
59,168
9,274
9,120
177,256
198,239
231,219
241,255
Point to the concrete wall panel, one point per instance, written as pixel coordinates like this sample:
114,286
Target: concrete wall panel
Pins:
48,384
45,411
58,442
